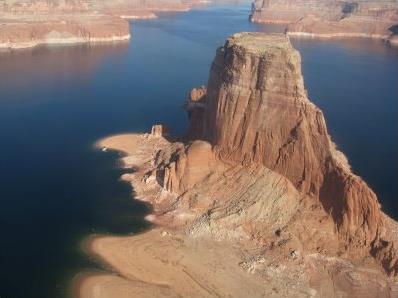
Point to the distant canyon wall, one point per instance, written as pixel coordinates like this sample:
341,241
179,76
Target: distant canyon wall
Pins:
42,6
68,29
331,18
29,23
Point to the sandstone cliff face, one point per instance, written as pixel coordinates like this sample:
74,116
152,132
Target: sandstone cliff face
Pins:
188,166
330,18
256,112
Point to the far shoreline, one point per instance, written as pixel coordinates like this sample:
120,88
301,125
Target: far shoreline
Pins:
68,41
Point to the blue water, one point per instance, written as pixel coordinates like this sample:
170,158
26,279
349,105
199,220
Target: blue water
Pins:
55,102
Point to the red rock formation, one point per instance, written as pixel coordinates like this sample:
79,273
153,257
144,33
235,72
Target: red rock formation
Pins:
195,107
256,112
188,166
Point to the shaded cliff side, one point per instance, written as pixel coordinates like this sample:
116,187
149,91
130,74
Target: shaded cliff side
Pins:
331,18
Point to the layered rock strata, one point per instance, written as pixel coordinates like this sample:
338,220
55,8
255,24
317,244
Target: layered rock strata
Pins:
27,31
256,112
330,18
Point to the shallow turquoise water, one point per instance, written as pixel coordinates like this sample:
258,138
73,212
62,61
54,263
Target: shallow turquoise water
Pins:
55,102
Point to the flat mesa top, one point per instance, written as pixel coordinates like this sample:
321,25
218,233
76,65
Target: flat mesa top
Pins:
257,42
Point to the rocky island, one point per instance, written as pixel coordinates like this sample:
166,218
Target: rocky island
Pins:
26,24
255,201
331,18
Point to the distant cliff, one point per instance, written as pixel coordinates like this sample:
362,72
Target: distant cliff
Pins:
331,18
103,6
29,23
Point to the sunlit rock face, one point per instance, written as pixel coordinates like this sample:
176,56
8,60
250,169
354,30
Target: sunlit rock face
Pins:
330,18
256,112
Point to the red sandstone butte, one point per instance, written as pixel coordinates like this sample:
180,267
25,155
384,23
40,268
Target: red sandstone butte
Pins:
256,112
259,172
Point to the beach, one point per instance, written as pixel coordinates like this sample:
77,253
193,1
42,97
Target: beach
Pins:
169,261
161,263
175,261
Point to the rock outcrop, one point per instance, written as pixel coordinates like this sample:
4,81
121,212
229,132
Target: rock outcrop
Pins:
159,130
257,112
256,115
330,18
188,166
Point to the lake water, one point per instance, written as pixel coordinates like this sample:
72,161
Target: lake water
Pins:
55,102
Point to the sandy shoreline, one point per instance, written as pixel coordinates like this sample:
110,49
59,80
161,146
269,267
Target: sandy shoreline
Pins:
167,262
65,41
162,262
123,143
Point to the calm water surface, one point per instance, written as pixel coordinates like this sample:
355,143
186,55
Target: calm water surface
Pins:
55,102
